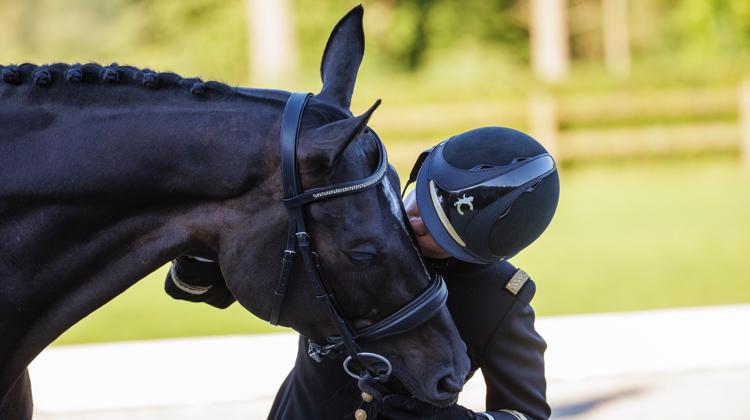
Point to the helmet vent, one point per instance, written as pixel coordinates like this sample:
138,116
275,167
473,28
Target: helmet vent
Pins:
533,187
480,167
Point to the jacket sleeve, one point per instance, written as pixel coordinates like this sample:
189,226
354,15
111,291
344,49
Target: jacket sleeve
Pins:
197,279
513,365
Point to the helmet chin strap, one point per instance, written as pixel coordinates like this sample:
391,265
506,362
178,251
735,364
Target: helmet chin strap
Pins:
415,169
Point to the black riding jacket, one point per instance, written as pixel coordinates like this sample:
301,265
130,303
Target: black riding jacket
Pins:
496,324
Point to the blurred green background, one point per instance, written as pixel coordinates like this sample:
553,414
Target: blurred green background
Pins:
644,113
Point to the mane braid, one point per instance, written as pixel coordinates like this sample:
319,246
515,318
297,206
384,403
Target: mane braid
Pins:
93,73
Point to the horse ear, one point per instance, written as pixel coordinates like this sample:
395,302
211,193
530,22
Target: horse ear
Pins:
341,59
321,148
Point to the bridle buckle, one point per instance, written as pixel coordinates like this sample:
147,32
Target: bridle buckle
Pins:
317,352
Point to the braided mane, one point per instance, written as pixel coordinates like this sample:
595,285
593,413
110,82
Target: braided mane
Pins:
93,73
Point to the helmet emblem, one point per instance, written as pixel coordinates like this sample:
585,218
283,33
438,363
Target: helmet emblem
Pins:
464,201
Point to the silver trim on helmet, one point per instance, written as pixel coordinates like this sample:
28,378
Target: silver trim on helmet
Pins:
441,215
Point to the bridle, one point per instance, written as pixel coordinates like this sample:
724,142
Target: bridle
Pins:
414,313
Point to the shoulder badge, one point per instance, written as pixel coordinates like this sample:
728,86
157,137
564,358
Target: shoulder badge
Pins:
517,281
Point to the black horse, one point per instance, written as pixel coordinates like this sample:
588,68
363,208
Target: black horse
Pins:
110,172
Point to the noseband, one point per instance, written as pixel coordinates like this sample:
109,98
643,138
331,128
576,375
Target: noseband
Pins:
414,313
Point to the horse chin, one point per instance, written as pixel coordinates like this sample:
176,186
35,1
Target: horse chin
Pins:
427,377
438,398
397,386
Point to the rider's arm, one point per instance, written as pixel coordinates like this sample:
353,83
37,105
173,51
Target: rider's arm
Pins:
512,364
197,279
490,305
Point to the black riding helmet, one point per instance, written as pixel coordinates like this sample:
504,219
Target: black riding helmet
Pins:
486,194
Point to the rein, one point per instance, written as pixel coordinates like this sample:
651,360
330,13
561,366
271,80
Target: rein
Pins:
413,314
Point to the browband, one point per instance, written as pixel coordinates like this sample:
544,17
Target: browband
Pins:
293,194
344,188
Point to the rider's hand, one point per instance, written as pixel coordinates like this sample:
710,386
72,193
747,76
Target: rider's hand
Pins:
408,408
430,248
381,404
198,280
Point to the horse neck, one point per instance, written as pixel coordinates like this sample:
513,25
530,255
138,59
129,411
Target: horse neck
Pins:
124,140
99,196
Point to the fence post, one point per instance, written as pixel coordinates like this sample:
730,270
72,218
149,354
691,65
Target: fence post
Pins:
543,122
272,50
549,39
616,36
744,114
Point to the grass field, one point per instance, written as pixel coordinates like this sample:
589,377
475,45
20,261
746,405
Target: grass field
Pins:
628,235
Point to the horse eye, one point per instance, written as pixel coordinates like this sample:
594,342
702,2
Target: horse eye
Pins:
360,258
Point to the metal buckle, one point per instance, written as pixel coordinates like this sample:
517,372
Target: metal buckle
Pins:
379,376
316,259
317,352
288,256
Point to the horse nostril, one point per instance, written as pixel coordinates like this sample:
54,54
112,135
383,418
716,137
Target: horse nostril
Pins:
450,384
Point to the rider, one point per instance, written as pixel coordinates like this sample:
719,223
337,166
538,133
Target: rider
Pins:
480,198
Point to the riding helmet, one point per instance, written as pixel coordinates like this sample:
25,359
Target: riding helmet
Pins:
486,194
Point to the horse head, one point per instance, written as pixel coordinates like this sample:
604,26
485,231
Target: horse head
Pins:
368,256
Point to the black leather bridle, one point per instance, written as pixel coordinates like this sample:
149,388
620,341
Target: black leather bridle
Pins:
414,313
